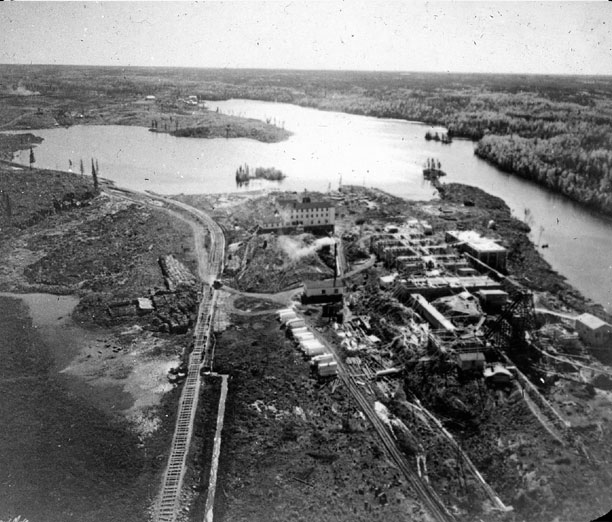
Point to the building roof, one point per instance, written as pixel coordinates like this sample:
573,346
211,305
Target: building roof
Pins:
492,292
497,371
294,202
591,321
313,204
286,201
476,241
472,356
144,303
326,283
388,279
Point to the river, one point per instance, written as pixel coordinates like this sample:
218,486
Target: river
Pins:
329,147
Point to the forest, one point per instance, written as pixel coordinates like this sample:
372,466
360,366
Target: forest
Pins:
554,130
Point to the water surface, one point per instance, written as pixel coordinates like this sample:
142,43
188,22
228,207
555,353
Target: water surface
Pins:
329,147
62,458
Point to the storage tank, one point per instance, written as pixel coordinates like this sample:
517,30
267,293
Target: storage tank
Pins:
314,350
322,359
295,323
284,311
328,369
298,330
289,317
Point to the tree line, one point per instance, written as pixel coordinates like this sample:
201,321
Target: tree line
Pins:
559,136
554,130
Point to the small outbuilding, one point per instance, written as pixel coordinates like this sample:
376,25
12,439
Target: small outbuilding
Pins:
471,361
326,291
145,304
497,374
594,331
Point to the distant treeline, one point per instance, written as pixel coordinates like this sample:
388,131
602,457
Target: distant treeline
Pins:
555,130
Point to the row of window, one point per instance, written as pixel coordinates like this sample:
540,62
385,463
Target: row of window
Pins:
326,222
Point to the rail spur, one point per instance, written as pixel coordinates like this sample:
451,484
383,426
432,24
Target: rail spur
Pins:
167,504
425,492
173,477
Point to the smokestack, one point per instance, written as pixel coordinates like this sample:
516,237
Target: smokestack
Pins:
335,261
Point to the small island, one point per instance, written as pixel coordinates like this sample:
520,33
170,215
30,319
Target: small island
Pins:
244,174
432,169
445,138
217,125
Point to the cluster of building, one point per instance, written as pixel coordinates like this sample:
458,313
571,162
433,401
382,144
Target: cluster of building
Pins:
450,281
454,283
423,263
321,359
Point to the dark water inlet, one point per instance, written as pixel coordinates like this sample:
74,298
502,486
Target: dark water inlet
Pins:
62,458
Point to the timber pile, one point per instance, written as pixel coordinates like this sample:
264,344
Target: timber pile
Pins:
175,273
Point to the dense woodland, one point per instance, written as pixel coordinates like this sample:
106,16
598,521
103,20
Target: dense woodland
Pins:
555,130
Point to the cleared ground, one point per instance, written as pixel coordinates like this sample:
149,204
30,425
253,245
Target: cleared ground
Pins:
294,449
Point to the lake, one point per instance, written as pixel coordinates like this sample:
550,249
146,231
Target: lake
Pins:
326,148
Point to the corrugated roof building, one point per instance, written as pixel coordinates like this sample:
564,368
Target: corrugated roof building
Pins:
484,249
594,331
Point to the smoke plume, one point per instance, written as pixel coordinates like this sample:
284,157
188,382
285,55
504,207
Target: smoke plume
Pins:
20,90
297,249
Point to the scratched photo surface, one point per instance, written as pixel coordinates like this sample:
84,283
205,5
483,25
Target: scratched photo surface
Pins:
302,261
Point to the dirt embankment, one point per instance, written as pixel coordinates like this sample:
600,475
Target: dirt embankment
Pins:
30,196
10,143
59,237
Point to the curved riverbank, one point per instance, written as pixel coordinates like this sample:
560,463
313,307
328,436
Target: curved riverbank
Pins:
525,261
88,407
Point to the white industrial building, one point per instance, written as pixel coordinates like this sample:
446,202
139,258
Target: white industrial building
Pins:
484,249
593,331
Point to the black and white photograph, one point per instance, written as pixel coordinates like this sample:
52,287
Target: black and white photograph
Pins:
305,261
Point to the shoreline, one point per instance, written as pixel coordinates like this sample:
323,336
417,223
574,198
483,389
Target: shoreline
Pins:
432,123
66,455
106,365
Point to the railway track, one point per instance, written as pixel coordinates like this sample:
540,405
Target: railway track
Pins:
166,507
425,492
427,495
173,477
